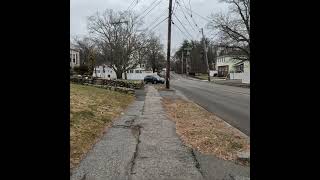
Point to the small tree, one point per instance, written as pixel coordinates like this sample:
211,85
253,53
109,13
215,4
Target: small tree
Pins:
82,69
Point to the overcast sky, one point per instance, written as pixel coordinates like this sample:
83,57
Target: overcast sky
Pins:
81,9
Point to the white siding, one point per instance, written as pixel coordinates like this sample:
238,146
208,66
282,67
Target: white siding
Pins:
228,61
98,72
75,58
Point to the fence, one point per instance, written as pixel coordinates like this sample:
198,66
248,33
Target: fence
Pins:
245,77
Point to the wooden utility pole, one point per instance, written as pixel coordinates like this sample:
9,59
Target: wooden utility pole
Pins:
205,54
188,49
182,64
168,47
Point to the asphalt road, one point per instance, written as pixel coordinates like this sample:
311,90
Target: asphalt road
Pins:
232,104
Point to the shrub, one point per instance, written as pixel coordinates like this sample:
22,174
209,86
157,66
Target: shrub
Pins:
82,69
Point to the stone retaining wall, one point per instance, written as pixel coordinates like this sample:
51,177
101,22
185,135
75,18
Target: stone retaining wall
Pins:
114,85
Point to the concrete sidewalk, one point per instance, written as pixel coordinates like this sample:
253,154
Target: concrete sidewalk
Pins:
143,145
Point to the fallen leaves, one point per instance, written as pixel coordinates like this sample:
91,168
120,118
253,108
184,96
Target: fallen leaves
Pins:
204,131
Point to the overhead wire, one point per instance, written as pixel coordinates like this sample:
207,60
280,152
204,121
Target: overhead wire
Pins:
130,4
181,31
151,5
158,24
183,25
187,19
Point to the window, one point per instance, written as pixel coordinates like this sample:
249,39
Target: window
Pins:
131,71
240,68
138,71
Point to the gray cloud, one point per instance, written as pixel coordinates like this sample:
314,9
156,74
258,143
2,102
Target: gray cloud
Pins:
81,9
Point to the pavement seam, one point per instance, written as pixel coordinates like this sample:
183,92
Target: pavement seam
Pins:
135,154
197,164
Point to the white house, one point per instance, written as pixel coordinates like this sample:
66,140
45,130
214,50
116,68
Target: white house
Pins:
104,72
138,73
74,56
236,69
107,72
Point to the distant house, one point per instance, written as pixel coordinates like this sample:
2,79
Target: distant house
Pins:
138,73
229,66
105,72
74,56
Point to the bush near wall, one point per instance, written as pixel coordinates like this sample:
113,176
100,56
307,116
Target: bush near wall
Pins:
82,69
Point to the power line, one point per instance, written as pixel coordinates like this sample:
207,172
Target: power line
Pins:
180,30
158,24
148,8
130,5
134,5
174,5
156,19
182,25
190,16
191,11
187,19
151,10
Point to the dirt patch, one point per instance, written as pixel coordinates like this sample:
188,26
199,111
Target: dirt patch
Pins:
91,111
204,131
161,87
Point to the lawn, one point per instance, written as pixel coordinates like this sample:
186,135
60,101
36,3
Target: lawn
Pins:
91,112
202,76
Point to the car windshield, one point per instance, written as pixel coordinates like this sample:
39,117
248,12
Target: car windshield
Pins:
156,76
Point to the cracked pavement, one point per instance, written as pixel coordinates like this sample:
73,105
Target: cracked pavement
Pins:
142,144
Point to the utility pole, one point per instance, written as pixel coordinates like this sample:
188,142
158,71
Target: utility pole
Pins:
168,47
182,64
188,55
205,55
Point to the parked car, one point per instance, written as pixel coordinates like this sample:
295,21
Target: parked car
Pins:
154,79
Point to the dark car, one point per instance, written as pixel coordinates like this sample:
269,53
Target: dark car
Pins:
153,79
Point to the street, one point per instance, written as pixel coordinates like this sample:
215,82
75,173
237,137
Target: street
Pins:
232,104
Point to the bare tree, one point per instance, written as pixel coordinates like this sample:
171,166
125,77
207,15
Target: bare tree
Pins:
117,36
155,54
234,27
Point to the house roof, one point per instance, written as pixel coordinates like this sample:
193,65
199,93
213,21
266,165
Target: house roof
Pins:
73,47
231,52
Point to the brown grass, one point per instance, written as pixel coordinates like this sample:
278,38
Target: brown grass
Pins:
204,131
161,87
91,111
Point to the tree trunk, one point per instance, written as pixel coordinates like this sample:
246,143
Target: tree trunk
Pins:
119,74
153,69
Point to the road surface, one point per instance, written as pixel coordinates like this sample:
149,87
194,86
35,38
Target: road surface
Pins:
232,104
